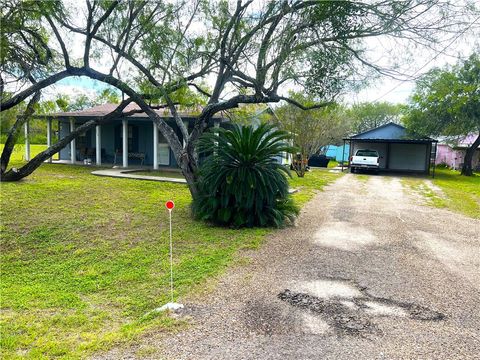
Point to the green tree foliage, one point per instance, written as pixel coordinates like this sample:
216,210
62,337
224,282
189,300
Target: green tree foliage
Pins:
447,102
7,118
248,114
249,51
366,115
241,181
311,129
24,39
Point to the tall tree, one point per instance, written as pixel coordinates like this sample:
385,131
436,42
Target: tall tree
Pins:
311,129
158,48
447,102
366,115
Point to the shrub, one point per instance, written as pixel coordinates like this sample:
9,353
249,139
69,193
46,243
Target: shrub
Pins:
241,183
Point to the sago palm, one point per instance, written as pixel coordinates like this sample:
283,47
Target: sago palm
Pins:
241,181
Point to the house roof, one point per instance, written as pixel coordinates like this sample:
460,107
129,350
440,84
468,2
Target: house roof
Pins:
390,132
102,110
459,142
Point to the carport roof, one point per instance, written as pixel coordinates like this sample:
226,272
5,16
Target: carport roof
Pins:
390,133
400,141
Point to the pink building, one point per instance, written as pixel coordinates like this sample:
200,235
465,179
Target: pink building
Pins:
451,151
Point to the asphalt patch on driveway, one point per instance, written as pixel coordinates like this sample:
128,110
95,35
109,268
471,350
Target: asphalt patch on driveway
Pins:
355,315
339,316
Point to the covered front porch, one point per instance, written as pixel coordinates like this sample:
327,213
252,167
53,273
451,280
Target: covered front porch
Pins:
120,143
124,142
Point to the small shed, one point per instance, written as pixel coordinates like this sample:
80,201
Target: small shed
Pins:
338,153
399,150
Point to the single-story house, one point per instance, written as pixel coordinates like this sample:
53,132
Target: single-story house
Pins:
399,150
143,145
130,141
451,151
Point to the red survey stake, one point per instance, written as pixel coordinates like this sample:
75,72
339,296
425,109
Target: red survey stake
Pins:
170,205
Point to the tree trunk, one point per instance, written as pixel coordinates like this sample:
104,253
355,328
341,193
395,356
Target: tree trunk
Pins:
189,166
467,161
188,158
13,134
191,178
300,164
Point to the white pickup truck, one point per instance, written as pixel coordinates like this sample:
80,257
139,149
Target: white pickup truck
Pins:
365,160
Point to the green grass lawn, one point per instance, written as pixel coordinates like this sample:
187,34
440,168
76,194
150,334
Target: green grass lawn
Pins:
333,163
19,152
84,259
458,193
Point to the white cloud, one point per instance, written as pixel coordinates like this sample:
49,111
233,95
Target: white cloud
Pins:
72,91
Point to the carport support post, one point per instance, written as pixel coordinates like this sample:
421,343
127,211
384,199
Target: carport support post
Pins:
155,145
343,153
98,145
73,146
125,143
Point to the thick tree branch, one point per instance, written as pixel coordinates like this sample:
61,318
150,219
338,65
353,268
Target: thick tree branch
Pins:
13,132
303,107
60,41
91,33
199,89
18,98
17,174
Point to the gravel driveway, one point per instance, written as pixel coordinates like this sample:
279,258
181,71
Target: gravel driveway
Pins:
368,273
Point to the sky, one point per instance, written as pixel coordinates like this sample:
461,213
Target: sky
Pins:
381,89
381,50
418,62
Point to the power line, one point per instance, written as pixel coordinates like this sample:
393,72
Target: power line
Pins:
432,59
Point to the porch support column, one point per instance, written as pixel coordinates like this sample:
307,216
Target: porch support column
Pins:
73,146
98,145
125,142
49,135
155,145
27,140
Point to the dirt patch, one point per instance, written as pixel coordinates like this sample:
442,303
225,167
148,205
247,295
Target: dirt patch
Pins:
344,236
435,189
